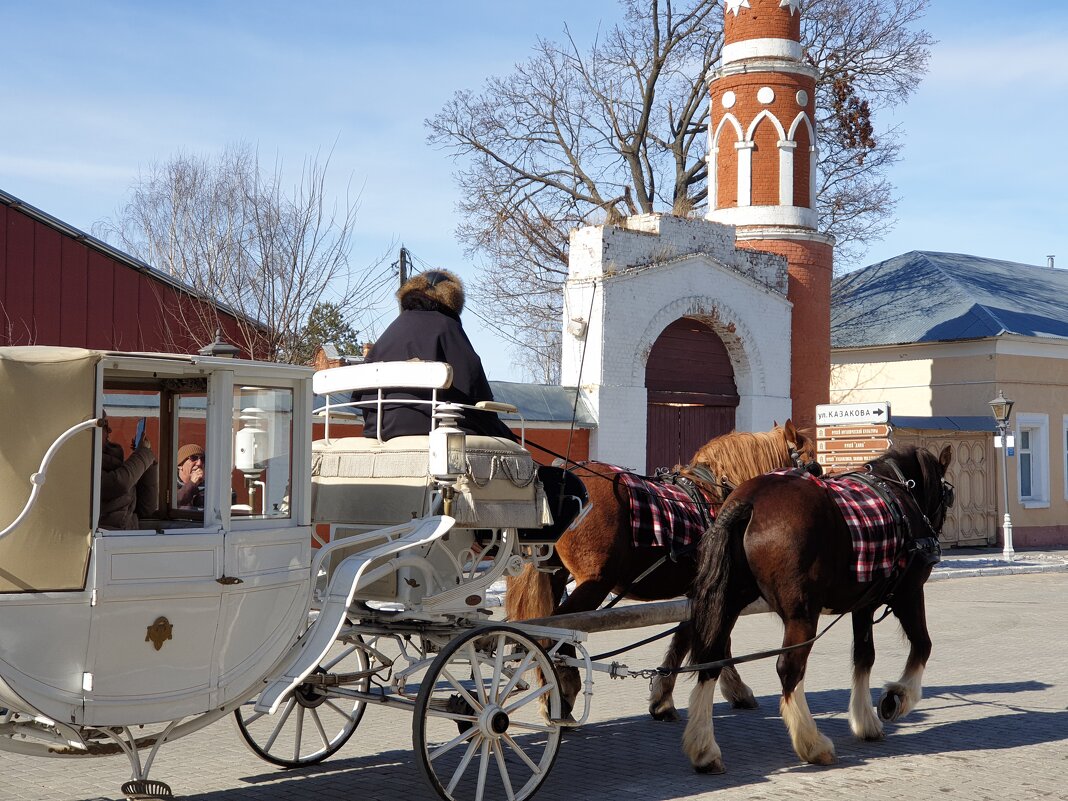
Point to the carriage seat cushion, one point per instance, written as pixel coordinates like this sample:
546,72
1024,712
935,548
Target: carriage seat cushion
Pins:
361,479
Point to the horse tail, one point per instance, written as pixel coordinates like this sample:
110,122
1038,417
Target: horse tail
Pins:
714,571
529,595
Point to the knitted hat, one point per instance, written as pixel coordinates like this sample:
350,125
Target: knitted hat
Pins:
188,452
434,287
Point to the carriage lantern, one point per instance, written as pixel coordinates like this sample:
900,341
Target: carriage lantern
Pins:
448,445
1001,408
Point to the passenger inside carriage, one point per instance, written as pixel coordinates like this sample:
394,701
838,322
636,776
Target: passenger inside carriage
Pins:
129,487
191,461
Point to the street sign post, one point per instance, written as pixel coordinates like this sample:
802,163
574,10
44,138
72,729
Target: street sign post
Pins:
836,414
850,434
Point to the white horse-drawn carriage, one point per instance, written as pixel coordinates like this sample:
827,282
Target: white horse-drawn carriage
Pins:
118,641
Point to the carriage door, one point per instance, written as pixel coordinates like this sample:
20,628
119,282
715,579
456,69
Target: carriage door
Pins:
692,394
268,541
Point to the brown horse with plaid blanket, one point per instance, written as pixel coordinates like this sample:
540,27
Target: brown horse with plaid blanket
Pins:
600,553
788,539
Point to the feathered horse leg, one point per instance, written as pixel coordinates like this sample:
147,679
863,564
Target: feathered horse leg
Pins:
661,690
720,592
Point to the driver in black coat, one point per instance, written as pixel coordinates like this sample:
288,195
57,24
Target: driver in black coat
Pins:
429,328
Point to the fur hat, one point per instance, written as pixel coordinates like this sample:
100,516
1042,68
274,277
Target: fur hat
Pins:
436,290
188,452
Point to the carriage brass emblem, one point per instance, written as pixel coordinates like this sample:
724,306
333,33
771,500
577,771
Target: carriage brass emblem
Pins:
159,632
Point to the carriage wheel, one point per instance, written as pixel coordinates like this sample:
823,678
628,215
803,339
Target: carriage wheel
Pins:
478,728
312,722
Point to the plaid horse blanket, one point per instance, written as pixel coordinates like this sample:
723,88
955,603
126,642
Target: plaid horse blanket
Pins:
662,514
876,536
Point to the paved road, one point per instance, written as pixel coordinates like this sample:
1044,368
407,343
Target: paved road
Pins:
993,725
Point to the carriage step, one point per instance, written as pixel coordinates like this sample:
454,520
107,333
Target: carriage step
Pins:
146,790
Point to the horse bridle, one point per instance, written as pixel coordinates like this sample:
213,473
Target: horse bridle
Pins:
813,467
945,503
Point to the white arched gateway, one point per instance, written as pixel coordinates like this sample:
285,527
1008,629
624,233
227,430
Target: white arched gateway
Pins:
659,299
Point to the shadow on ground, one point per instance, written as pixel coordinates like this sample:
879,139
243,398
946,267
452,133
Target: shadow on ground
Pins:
633,752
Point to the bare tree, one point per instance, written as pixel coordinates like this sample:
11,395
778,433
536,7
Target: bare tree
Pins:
576,136
234,235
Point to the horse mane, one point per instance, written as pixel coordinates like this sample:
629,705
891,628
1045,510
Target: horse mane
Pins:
742,455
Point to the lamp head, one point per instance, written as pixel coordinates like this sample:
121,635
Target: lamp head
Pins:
1001,407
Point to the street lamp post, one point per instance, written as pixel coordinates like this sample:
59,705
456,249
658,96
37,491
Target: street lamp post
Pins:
1001,408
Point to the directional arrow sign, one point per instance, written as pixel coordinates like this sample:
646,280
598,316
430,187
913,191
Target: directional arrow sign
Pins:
852,432
838,461
837,414
876,445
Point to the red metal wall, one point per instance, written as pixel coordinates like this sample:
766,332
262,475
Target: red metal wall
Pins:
57,290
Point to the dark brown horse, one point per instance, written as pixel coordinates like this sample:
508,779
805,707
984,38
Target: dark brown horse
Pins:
600,554
785,538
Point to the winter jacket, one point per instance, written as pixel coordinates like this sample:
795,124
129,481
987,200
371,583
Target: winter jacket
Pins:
436,335
128,488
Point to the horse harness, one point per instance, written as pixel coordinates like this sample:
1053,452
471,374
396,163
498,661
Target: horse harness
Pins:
696,491
926,547
924,550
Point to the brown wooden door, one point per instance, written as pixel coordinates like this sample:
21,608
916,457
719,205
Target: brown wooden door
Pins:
692,394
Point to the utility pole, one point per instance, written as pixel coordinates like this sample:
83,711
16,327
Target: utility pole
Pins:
403,265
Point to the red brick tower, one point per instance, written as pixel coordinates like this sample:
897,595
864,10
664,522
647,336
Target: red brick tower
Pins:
762,171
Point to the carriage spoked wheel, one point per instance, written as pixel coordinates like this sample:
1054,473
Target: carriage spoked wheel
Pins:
313,721
478,728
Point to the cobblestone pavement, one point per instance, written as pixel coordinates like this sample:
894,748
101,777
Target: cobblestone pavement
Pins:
992,725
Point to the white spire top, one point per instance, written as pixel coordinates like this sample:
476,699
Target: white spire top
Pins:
735,5
793,5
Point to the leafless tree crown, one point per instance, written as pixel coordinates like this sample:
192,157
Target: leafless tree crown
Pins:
235,236
588,135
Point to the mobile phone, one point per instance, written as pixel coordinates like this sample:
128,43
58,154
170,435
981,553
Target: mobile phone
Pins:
140,433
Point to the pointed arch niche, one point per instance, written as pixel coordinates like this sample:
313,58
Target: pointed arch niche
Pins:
803,162
692,394
765,133
725,169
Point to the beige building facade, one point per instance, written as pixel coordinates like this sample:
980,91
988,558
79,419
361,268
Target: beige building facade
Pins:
940,391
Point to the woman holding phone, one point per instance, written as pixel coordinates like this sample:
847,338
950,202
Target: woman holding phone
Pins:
129,487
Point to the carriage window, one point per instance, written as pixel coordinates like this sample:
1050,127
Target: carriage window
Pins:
263,439
129,488
190,453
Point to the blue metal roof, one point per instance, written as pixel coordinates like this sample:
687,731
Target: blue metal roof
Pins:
923,296
953,423
543,403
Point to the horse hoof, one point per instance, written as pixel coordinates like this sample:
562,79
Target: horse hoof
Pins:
714,767
873,736
745,703
889,706
566,708
824,759
669,714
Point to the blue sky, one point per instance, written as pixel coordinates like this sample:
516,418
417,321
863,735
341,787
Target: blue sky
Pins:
94,92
